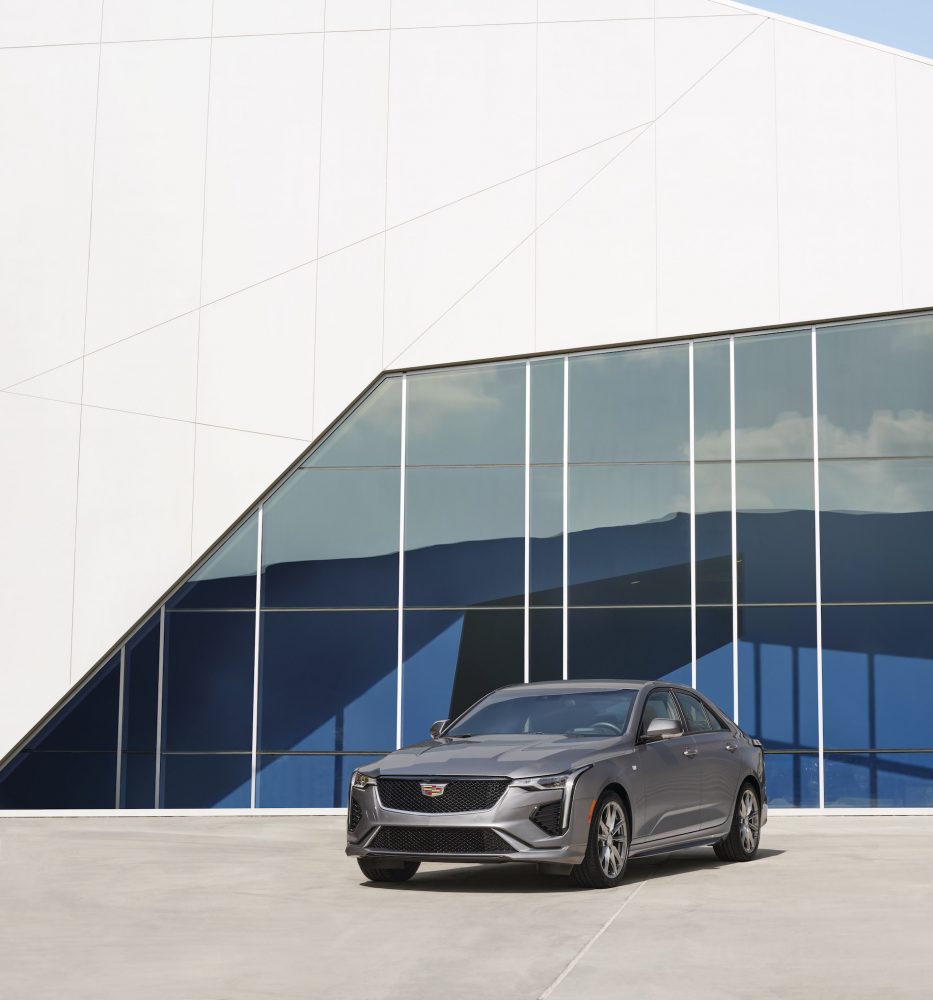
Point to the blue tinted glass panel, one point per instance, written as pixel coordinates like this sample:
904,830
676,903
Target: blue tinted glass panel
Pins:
227,579
792,780
207,682
206,781
546,644
89,720
330,540
711,420
630,643
370,435
453,658
141,689
546,540
328,680
314,781
773,396
871,780
464,537
876,529
137,781
876,388
713,485
629,534
630,406
59,780
777,676
469,416
775,532
714,657
547,411
877,677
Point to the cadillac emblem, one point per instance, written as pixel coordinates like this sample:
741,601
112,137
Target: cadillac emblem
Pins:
432,791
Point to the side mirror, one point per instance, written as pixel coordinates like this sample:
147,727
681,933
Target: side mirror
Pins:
438,728
663,729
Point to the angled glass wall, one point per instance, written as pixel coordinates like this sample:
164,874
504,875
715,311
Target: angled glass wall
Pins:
752,515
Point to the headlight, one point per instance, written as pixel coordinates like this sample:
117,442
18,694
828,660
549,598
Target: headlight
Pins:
556,782
361,781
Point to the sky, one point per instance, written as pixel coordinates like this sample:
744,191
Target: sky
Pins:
903,24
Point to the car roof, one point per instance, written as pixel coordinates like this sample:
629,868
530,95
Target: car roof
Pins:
584,685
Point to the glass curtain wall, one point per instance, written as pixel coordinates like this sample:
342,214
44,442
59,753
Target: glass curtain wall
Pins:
752,515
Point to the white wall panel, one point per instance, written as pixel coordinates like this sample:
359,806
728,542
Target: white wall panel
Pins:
45,205
49,22
717,187
433,13
837,176
62,384
256,362
461,114
134,523
353,152
37,541
131,20
356,15
263,159
693,8
148,187
915,150
249,17
594,10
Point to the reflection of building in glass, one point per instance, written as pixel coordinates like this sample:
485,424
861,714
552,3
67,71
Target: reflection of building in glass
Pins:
713,545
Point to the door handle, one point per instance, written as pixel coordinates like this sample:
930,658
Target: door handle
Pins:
732,747
690,753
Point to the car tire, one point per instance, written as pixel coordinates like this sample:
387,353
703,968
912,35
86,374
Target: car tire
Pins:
607,846
741,842
374,872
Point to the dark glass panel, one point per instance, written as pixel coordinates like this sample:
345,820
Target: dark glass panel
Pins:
227,579
370,435
207,680
878,780
713,497
546,644
792,780
546,539
328,680
630,643
88,721
206,781
314,781
778,676
330,540
876,530
467,416
464,537
452,659
137,781
711,411
775,532
630,406
877,677
141,688
773,396
876,388
629,534
59,780
547,411
714,657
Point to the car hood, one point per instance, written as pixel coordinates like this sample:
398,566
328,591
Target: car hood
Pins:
510,756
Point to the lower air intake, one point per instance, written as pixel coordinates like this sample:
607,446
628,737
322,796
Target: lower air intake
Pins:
439,840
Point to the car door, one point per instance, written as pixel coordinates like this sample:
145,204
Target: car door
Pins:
670,790
717,760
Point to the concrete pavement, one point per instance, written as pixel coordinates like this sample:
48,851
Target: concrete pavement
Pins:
236,908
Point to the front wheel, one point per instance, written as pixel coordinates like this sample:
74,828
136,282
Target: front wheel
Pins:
375,872
603,865
741,843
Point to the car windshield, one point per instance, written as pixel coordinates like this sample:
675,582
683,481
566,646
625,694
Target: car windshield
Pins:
578,713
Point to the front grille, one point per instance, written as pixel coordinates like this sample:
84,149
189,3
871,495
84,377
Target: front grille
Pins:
439,840
548,818
460,794
356,814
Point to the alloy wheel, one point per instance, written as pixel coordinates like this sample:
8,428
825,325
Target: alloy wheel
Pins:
611,838
749,821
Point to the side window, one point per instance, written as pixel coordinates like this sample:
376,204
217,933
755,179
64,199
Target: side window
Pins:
660,705
699,720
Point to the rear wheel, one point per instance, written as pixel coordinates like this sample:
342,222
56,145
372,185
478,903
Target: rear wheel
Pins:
741,843
603,865
376,872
